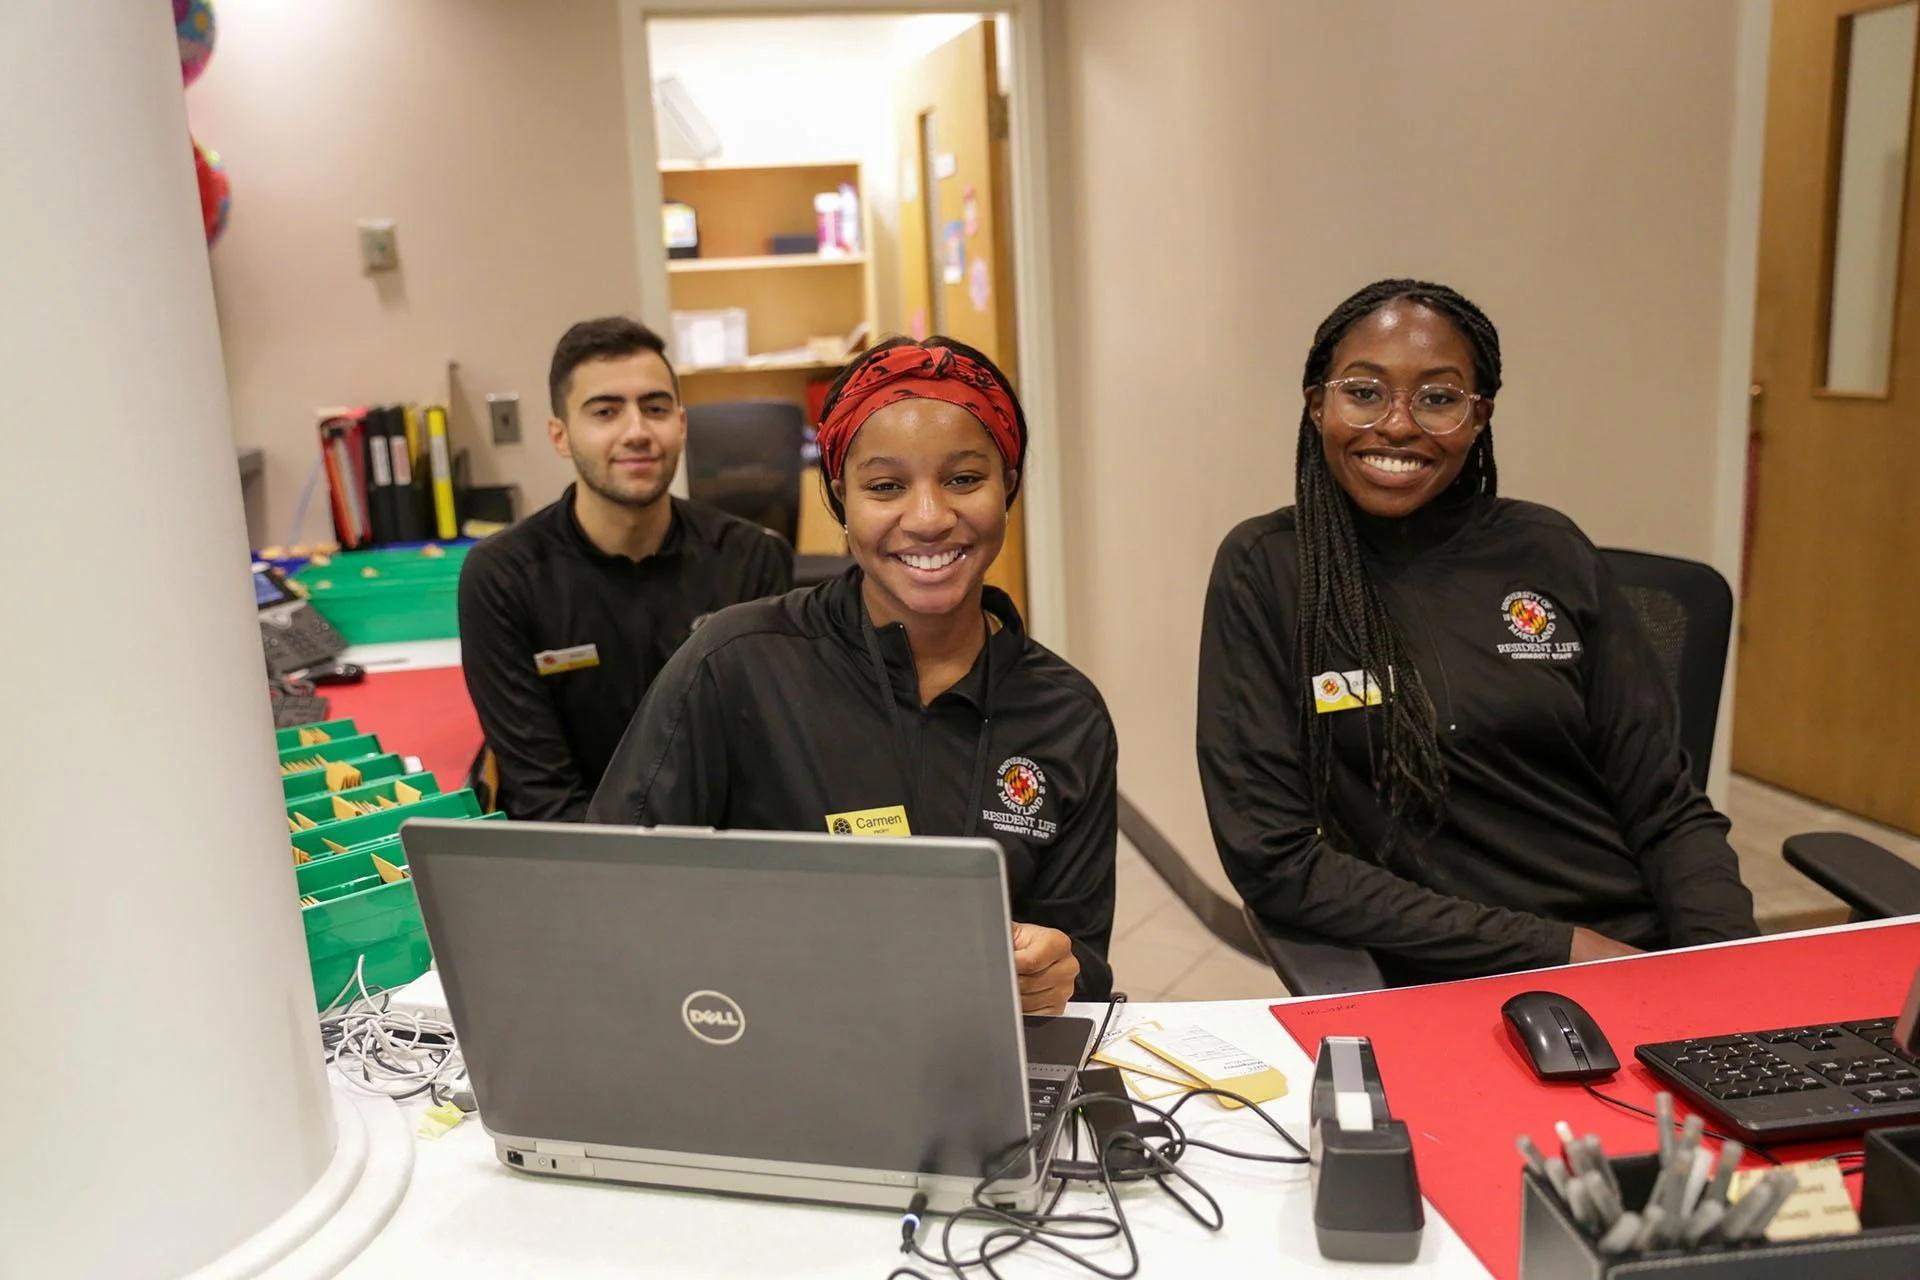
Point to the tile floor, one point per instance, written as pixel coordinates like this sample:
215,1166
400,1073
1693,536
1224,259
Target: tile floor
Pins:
1161,952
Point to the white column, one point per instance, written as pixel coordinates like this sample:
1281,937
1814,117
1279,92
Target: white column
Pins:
162,1097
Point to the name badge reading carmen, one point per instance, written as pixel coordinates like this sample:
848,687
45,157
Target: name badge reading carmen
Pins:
888,821
551,662
1339,691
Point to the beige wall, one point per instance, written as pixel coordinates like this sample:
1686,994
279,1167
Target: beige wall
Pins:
1224,183
493,132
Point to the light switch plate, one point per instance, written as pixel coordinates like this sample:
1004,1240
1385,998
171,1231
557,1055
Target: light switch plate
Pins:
503,411
378,251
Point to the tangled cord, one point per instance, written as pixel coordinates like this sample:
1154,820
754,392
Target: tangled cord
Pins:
378,1051
1013,1229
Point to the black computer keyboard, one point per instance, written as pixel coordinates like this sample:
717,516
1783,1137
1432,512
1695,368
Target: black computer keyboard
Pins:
290,709
295,636
1793,1083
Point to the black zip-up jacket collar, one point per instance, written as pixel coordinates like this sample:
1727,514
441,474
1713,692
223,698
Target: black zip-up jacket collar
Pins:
1569,800
773,718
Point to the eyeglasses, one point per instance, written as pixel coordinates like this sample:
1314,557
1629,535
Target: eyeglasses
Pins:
1362,403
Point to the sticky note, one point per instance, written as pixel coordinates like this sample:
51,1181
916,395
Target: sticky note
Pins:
1214,1062
1819,1206
436,1121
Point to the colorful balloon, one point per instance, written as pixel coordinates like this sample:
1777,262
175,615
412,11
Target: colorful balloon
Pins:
193,24
216,197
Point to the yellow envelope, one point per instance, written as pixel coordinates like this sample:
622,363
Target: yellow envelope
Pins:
1216,1063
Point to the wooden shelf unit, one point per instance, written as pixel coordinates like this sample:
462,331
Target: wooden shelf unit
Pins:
788,299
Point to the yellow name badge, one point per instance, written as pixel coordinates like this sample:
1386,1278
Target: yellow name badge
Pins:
888,821
551,662
1338,691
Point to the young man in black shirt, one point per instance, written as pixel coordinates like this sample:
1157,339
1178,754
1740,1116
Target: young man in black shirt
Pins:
566,618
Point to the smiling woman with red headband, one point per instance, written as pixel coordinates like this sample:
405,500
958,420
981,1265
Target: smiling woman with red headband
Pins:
904,697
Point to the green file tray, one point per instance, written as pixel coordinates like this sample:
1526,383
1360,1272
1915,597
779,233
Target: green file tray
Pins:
360,744
411,596
290,736
320,807
365,918
353,832
298,786
357,915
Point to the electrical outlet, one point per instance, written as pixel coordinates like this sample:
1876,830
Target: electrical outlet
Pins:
503,411
378,252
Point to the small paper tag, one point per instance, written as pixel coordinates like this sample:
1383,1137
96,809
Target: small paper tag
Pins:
341,775
405,794
551,662
891,820
1819,1206
1119,1050
343,807
305,823
389,874
1220,1065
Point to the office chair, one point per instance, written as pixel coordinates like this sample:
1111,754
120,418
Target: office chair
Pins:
1686,609
743,457
1872,881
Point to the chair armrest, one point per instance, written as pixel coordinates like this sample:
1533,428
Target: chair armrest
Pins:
1312,966
1874,882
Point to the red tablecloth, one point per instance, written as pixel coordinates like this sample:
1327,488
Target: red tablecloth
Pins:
1453,1074
416,713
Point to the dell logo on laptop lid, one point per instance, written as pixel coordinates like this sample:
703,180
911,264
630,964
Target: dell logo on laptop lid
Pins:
714,1017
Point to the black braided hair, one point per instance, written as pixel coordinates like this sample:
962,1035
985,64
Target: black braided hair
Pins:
881,348
1340,609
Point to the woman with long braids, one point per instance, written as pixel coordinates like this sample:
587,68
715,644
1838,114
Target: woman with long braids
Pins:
904,697
1429,724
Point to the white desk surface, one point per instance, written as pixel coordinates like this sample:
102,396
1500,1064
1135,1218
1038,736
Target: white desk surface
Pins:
466,1214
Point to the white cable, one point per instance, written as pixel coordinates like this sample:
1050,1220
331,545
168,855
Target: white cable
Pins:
380,1052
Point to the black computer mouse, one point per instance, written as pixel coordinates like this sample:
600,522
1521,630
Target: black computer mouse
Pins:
1560,1039
337,673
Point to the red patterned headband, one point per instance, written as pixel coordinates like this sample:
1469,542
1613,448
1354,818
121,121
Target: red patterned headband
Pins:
923,373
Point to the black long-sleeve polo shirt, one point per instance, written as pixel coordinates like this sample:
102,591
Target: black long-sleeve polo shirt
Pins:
560,640
1569,801
773,718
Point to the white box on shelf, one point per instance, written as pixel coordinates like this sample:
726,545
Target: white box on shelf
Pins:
705,339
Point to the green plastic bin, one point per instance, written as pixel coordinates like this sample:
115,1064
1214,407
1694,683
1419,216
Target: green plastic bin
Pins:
290,736
298,786
357,915
360,744
320,807
352,832
411,596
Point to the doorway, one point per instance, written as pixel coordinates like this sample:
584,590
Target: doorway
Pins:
833,179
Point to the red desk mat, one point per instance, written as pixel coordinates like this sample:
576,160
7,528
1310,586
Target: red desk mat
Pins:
1466,1092
416,713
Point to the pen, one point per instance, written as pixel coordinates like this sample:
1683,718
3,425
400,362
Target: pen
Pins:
1650,1224
1702,1223
1531,1153
1731,1153
1558,1176
1598,1155
1696,1181
1580,1201
1622,1235
1663,1116
1605,1203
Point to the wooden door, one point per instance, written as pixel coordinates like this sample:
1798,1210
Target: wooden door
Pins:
956,233
1829,673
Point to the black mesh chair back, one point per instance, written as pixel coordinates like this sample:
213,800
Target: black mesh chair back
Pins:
743,457
1686,609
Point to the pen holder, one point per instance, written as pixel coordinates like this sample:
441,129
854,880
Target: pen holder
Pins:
1553,1247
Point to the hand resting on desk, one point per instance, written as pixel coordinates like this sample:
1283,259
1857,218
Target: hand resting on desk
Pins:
1044,962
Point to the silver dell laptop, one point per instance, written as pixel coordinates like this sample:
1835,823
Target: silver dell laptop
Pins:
802,1016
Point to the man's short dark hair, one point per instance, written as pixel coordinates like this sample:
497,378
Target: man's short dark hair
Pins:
607,338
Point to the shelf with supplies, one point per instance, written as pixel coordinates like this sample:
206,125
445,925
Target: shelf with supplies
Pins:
807,364
765,262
